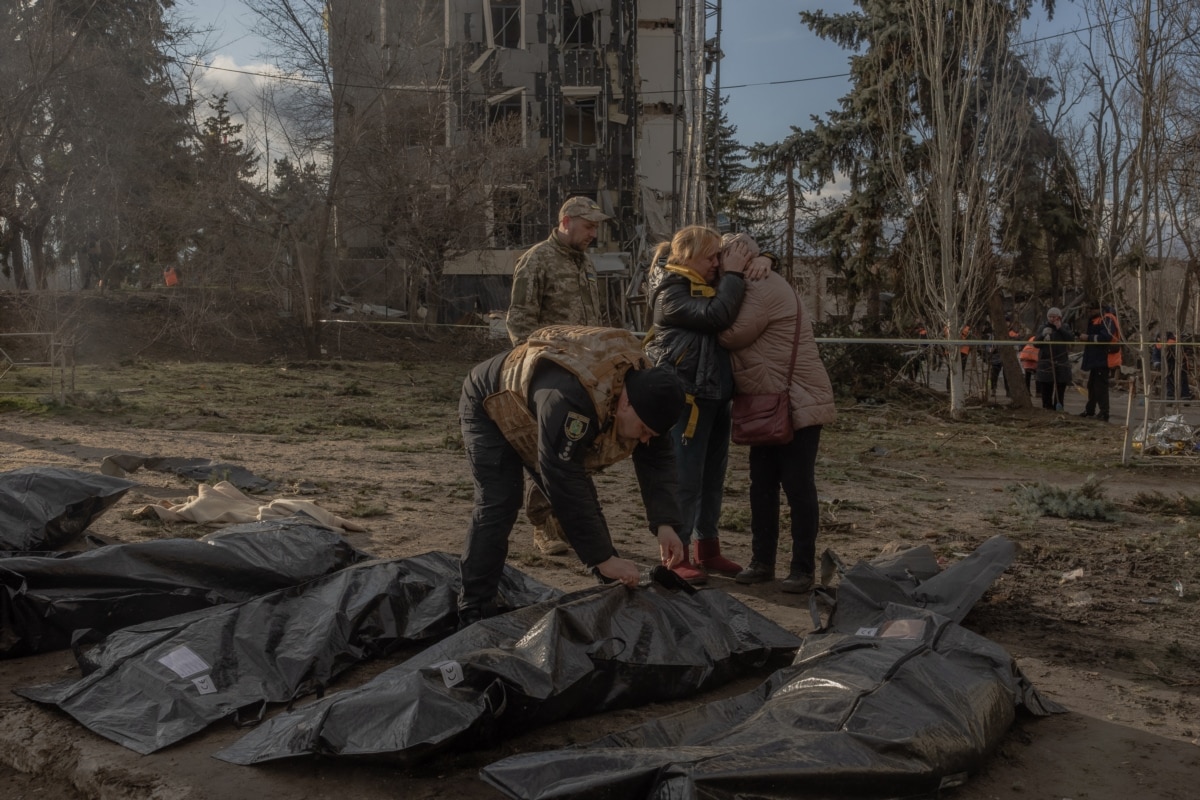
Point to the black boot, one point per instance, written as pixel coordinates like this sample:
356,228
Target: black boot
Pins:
757,572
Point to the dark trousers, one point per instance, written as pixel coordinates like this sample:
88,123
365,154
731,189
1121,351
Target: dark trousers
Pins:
701,461
1053,394
1097,389
498,474
997,371
1185,390
793,467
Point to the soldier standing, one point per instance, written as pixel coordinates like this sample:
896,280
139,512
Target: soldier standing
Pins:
554,283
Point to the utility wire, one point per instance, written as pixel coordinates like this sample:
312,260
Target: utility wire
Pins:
423,90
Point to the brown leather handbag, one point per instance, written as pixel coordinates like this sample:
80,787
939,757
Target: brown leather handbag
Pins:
766,419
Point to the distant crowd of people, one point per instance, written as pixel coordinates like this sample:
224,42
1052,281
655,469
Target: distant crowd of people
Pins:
1045,360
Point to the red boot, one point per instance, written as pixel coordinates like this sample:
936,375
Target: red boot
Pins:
708,555
689,572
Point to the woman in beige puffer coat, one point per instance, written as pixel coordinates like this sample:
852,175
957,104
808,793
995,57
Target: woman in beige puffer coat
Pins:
760,345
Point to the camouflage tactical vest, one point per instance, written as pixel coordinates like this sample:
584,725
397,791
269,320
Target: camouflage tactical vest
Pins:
598,357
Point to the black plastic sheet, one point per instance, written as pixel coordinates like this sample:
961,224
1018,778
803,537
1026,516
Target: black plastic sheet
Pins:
898,700
44,600
874,713
913,578
42,508
152,685
591,651
199,470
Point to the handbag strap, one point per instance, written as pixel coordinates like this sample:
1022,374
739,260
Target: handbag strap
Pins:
787,387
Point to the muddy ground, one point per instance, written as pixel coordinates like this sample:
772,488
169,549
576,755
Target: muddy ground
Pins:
377,439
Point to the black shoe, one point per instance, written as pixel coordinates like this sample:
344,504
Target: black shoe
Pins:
756,573
1086,414
1102,417
797,583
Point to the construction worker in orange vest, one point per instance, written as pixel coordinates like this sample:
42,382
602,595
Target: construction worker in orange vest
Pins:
1114,350
1029,359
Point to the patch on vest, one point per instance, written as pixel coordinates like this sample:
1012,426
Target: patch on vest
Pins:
576,425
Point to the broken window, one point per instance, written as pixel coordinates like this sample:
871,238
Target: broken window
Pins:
505,109
416,115
506,22
579,30
505,118
579,117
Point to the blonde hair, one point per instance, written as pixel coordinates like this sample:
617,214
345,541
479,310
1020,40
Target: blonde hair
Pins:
688,243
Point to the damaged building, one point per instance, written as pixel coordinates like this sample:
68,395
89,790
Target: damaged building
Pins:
462,125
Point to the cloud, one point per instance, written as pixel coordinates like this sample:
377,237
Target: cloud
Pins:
243,82
250,89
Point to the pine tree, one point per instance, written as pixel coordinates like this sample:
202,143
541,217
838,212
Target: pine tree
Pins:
733,202
95,109
228,240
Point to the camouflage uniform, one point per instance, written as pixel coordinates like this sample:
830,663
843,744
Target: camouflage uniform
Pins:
552,285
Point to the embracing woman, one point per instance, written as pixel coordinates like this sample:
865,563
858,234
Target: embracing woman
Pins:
773,349
695,292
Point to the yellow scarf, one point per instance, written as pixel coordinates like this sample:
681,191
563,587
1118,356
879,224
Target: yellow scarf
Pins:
700,287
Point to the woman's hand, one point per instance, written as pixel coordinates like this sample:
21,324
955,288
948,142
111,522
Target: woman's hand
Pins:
670,547
735,257
758,268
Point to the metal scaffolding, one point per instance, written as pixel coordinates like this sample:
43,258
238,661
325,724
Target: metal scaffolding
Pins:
696,158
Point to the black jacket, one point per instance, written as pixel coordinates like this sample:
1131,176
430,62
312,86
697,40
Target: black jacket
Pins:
1099,329
686,324
1054,354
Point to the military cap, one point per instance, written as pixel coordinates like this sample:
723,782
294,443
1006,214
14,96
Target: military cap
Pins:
584,207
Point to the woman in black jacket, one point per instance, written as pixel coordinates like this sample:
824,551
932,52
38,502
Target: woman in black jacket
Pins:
1054,365
691,304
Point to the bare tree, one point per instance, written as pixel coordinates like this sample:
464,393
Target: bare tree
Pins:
1181,185
1176,167
968,119
1141,56
299,36
37,46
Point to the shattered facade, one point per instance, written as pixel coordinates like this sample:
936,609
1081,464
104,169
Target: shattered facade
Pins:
588,87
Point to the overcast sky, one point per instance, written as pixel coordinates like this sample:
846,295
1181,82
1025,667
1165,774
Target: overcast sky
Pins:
775,73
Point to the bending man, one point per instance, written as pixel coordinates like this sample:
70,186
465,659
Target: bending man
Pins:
565,403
